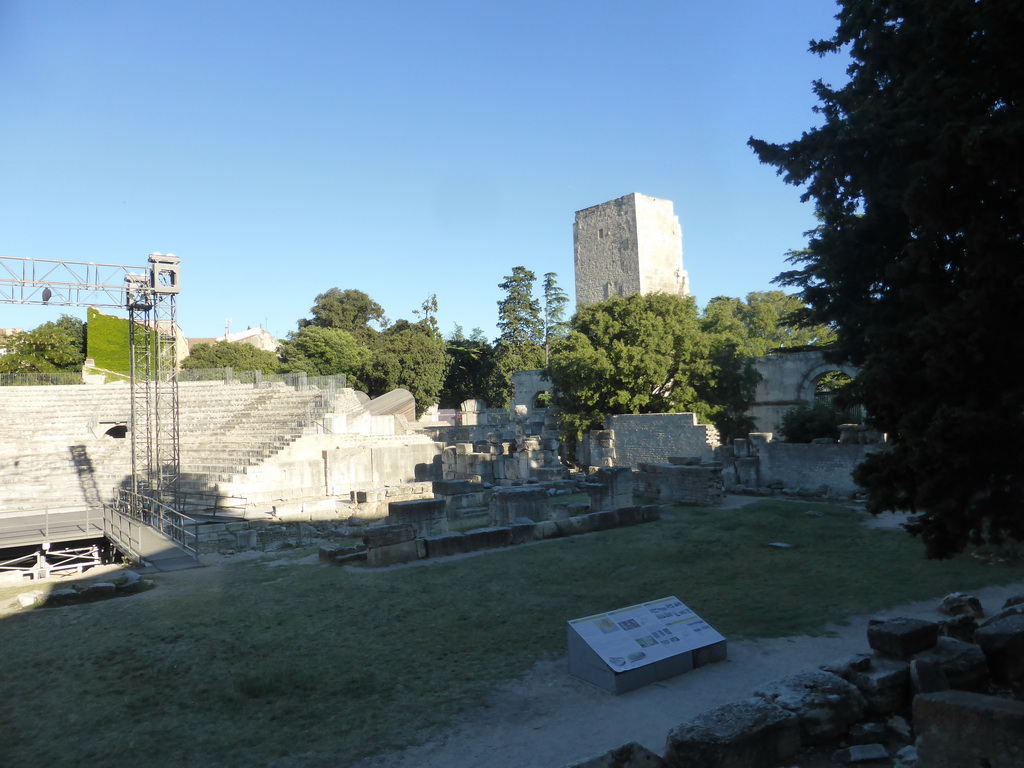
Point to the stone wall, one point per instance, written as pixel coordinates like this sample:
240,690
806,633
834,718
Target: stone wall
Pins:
651,438
788,380
761,463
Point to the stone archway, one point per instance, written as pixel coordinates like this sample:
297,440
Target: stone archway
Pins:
787,380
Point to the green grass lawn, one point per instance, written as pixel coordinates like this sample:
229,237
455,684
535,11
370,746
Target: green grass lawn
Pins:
245,664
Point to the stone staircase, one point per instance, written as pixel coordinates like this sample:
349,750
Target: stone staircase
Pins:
55,457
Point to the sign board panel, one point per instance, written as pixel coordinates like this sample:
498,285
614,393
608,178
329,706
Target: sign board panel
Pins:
631,647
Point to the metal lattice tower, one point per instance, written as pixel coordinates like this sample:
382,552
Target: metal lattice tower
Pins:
149,295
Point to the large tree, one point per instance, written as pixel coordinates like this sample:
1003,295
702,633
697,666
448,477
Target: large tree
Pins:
767,321
410,356
349,310
53,346
324,352
223,354
521,344
646,354
555,302
917,174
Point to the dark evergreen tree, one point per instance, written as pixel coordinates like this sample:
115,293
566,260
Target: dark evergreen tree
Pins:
917,174
521,344
555,324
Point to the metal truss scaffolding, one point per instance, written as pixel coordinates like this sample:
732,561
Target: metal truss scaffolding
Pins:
149,295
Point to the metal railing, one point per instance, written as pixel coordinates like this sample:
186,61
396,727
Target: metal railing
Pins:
139,508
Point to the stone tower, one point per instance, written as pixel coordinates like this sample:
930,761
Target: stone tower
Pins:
630,245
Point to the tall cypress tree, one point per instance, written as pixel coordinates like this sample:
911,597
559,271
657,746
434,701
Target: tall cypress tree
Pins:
917,175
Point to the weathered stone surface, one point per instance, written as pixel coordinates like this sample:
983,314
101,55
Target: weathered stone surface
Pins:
574,526
902,637
507,504
867,733
428,516
522,532
1009,609
751,733
631,755
1002,642
959,627
446,544
98,589
957,729
963,663
825,704
28,599
488,538
861,754
395,554
384,535
884,682
546,530
927,677
961,604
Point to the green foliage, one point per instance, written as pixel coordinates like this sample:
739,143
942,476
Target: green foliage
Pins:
323,351
349,310
519,315
472,364
644,354
555,302
108,341
765,322
52,346
521,344
222,354
409,356
811,421
918,261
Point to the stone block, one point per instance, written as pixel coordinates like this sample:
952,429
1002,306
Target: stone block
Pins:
395,554
1002,642
751,733
507,504
963,664
547,529
631,755
428,516
606,520
522,532
574,526
825,704
902,637
883,682
446,544
454,487
956,729
488,538
386,535
860,753
959,627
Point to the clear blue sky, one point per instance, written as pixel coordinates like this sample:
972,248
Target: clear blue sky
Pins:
400,148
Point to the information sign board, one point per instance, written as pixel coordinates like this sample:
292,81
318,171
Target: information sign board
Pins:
631,647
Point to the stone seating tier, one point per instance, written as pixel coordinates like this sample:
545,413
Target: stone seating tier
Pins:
224,430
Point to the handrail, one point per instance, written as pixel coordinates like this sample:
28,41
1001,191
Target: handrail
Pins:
174,525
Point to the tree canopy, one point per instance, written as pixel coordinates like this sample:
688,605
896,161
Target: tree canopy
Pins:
223,354
521,344
765,322
53,346
646,354
349,310
917,175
